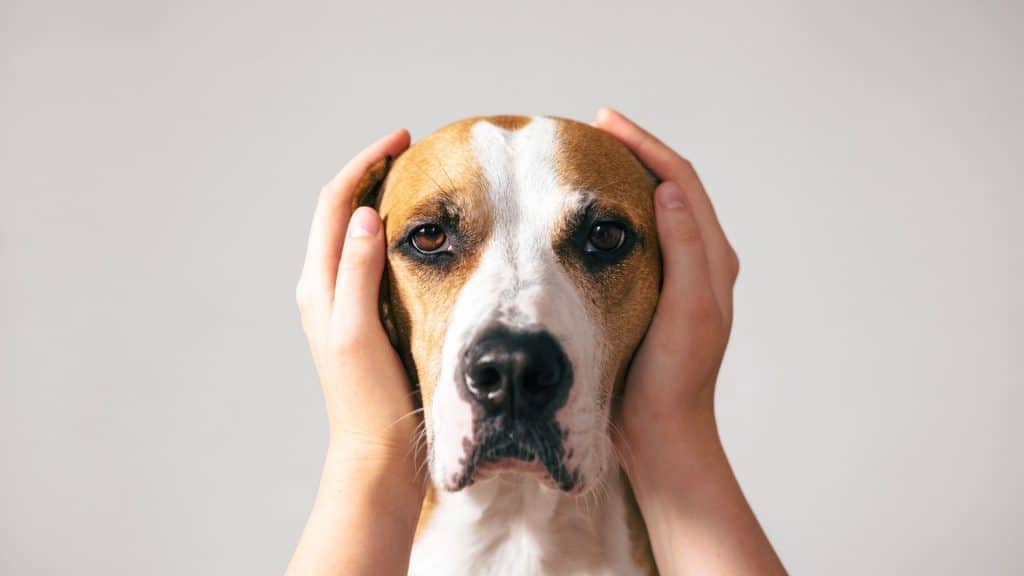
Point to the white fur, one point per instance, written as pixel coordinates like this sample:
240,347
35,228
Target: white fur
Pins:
512,524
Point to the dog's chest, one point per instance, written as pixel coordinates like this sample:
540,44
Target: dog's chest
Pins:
518,528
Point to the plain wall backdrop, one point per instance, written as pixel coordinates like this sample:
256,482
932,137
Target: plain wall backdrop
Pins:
161,161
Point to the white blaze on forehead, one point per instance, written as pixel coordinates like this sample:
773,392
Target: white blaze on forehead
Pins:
527,202
519,282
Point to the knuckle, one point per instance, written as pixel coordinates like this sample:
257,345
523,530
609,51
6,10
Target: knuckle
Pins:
703,309
357,258
340,343
347,342
683,167
351,265
734,263
645,146
686,232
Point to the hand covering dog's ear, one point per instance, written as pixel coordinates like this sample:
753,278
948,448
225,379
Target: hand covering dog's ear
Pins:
370,186
368,192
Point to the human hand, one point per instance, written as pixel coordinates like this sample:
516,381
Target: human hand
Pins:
697,518
364,516
671,384
366,391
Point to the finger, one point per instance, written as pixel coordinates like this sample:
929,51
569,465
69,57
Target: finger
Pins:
334,209
669,165
653,152
665,162
687,294
355,312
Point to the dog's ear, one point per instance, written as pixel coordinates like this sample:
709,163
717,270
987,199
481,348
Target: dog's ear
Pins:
654,177
368,193
370,186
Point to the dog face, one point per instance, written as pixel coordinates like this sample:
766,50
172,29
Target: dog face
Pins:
523,270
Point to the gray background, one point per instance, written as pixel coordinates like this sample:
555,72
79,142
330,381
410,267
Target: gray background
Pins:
160,163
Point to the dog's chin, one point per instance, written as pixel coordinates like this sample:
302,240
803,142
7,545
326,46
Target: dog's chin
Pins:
514,462
514,470
508,469
511,470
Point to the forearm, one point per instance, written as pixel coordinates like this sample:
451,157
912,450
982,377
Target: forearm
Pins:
363,520
698,520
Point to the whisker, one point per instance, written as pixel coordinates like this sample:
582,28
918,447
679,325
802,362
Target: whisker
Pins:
616,429
403,417
419,435
451,184
441,189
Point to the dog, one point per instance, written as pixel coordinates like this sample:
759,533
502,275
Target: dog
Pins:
522,272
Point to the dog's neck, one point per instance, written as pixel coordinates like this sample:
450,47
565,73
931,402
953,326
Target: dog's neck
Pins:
515,525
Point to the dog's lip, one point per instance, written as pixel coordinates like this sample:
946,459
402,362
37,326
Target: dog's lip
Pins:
515,449
491,468
511,465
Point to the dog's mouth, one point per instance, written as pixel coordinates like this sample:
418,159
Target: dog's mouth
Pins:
518,447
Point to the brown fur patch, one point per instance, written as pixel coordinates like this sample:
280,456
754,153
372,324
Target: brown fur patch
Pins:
437,173
432,176
510,123
429,503
622,297
438,170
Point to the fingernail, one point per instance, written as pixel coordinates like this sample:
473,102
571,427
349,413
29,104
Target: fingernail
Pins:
364,223
670,195
604,114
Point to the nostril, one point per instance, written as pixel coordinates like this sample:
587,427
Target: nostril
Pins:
485,379
539,379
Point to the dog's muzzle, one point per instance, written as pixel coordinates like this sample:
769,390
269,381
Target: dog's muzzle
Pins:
515,381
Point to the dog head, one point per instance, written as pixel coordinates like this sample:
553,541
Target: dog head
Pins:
523,270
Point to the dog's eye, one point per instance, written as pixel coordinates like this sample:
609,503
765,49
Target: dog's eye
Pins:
429,239
605,237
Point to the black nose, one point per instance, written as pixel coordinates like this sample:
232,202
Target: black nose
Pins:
522,374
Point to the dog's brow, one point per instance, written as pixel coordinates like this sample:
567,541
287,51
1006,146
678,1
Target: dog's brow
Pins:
442,206
451,185
579,212
589,208
438,187
605,186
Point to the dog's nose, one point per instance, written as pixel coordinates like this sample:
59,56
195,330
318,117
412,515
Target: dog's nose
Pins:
517,373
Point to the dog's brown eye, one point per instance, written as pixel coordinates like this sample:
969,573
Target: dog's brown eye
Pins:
605,237
429,238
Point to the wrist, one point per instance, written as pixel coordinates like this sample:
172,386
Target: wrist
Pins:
369,503
679,453
375,471
687,492
368,451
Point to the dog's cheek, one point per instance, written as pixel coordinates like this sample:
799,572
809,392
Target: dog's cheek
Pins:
452,415
451,424
420,301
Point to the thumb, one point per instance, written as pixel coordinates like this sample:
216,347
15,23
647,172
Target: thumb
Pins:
686,287
359,272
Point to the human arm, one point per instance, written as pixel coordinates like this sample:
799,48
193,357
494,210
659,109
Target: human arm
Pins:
698,520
